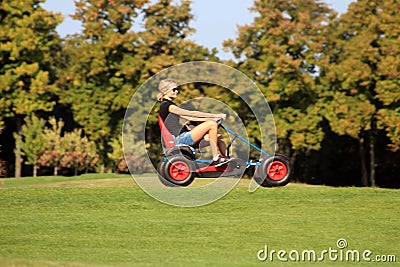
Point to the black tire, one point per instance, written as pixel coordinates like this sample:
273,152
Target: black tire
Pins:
276,170
179,170
161,174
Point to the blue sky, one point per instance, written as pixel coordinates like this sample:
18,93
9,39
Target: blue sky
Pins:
215,20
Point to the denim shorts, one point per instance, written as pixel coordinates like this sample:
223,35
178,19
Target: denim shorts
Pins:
184,139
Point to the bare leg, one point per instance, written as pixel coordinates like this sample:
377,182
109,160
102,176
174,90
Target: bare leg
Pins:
210,128
221,143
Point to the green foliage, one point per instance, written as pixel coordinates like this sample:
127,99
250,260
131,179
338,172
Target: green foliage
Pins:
27,34
360,87
279,50
347,115
163,41
27,43
117,154
389,120
360,75
79,152
316,69
33,142
108,60
54,151
69,149
102,71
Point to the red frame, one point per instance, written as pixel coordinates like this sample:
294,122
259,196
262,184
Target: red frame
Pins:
168,139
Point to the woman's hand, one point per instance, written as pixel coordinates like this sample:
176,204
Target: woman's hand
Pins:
222,116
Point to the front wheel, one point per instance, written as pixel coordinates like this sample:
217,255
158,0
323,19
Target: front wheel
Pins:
276,170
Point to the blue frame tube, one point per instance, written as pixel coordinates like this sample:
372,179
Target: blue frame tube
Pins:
245,141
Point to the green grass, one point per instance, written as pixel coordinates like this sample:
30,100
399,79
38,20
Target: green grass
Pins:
106,220
88,180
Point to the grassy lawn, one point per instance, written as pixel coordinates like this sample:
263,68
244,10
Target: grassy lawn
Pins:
106,220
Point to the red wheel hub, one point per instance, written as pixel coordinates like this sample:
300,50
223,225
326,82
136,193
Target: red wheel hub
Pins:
277,170
179,170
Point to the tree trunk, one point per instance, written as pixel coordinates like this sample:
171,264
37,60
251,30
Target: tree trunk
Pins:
364,173
35,170
372,160
55,171
18,158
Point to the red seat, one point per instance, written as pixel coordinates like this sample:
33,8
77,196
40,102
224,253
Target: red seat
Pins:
167,137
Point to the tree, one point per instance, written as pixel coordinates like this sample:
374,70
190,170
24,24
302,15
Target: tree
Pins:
103,68
109,60
360,78
3,163
33,142
280,50
54,151
27,41
388,85
79,152
164,40
389,120
117,154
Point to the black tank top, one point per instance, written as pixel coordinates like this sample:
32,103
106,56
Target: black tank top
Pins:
171,120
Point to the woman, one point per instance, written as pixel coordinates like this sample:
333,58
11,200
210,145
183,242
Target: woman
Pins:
208,129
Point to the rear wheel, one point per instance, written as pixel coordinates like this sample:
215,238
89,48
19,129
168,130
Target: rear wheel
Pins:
161,174
179,170
275,171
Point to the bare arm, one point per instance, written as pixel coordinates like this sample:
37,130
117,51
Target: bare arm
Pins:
195,115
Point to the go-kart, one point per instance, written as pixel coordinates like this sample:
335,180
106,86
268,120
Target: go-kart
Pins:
180,167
